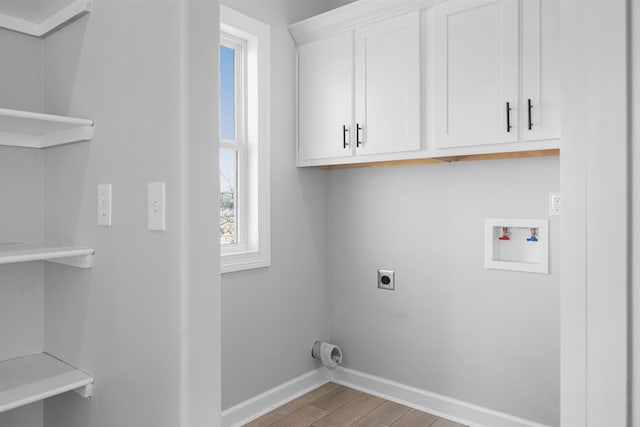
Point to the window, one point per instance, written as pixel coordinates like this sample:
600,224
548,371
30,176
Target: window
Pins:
232,142
244,142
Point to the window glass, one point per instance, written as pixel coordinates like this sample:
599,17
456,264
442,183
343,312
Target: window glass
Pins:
228,196
227,93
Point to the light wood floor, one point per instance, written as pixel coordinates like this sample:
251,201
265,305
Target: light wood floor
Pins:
339,406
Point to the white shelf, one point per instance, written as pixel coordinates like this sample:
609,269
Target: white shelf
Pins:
51,24
76,256
28,379
37,130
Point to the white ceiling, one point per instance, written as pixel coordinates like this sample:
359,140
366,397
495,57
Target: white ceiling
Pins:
32,10
39,10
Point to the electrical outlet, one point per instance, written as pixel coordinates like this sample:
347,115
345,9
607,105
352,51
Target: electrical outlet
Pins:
386,280
554,204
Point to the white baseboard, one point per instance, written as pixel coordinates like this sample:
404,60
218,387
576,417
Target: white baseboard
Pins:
433,403
259,405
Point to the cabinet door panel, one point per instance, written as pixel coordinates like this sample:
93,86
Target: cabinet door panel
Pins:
325,97
476,72
540,69
388,85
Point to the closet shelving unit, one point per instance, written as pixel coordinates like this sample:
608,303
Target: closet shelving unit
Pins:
76,256
28,379
37,130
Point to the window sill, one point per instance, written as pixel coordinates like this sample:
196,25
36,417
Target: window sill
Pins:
240,261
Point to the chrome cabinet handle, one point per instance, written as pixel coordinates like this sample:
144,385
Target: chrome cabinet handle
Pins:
358,129
508,117
529,107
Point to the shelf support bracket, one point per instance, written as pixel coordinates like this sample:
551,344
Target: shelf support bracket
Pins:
85,391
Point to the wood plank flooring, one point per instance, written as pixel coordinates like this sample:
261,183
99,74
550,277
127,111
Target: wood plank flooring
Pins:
334,405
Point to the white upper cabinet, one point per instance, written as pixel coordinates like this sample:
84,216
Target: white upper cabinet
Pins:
359,93
388,86
476,73
496,78
428,79
325,98
540,102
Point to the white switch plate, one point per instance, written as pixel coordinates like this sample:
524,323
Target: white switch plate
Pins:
554,204
156,206
104,205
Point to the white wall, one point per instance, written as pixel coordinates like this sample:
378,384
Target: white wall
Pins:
635,224
595,238
332,4
271,316
487,337
201,314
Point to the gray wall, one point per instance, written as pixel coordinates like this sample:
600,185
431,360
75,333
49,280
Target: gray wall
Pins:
21,210
271,316
21,201
120,320
145,320
20,71
451,327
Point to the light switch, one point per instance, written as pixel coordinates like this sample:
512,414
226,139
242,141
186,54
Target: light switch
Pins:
156,206
554,204
104,205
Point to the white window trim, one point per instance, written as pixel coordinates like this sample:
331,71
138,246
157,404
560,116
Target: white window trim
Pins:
257,252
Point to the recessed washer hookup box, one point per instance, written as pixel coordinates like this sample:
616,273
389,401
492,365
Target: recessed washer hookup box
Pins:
517,245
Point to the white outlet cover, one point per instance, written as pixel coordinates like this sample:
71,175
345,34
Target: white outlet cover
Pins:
104,205
554,204
156,216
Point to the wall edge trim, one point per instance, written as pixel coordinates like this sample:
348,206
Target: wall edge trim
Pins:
434,403
250,409
443,406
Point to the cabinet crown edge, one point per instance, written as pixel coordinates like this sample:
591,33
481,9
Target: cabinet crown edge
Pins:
351,16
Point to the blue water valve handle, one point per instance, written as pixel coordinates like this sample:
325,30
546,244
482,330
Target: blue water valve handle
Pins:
532,239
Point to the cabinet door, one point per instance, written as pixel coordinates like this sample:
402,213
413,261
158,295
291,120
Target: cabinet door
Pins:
325,98
388,86
476,72
540,70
